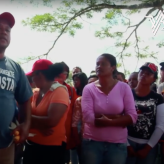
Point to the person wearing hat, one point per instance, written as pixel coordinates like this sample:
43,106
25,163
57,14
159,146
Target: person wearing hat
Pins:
144,135
50,106
13,86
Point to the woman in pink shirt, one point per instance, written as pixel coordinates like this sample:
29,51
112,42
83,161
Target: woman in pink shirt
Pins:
103,102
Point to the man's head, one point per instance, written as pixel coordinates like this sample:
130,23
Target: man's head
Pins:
7,21
133,80
76,70
64,75
120,76
148,74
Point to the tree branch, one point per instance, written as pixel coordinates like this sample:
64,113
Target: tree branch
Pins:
134,30
105,6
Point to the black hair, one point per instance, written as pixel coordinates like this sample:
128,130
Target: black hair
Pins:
93,72
83,81
122,74
112,60
156,76
53,71
78,68
92,76
154,87
134,73
66,68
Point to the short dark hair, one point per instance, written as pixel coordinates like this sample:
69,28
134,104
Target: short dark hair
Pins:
122,74
66,68
53,71
92,76
78,68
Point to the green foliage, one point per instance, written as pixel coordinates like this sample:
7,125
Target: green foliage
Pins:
160,44
66,19
69,79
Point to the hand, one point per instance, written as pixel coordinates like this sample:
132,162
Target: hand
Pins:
113,116
143,152
131,152
109,116
103,121
47,132
98,115
23,130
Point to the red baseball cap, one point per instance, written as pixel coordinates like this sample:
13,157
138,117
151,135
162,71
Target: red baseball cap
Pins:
151,66
8,17
41,64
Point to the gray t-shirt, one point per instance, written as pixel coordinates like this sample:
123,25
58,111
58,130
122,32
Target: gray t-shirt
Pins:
13,86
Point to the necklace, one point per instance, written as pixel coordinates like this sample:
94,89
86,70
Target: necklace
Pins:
42,95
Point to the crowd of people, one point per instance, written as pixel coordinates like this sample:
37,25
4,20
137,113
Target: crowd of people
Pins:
101,119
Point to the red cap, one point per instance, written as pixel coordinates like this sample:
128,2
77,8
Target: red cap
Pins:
8,17
151,66
41,64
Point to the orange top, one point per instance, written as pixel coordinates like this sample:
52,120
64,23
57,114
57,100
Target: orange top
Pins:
57,95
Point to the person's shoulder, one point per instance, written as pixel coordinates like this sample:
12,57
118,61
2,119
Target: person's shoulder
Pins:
14,64
90,86
123,85
156,95
11,61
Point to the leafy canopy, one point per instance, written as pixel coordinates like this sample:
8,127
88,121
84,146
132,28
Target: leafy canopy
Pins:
65,19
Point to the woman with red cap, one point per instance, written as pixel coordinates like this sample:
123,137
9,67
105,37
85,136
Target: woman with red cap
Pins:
50,104
145,134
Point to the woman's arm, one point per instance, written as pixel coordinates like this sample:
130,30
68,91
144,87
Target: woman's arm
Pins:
122,121
87,106
130,114
55,113
58,105
159,129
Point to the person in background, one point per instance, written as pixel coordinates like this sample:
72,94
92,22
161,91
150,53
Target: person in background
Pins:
14,88
80,80
61,78
93,77
145,134
133,80
121,77
107,109
50,105
76,70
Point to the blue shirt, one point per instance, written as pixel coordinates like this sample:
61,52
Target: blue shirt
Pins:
13,86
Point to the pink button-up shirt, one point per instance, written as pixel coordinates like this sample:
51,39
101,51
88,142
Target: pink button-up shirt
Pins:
119,100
